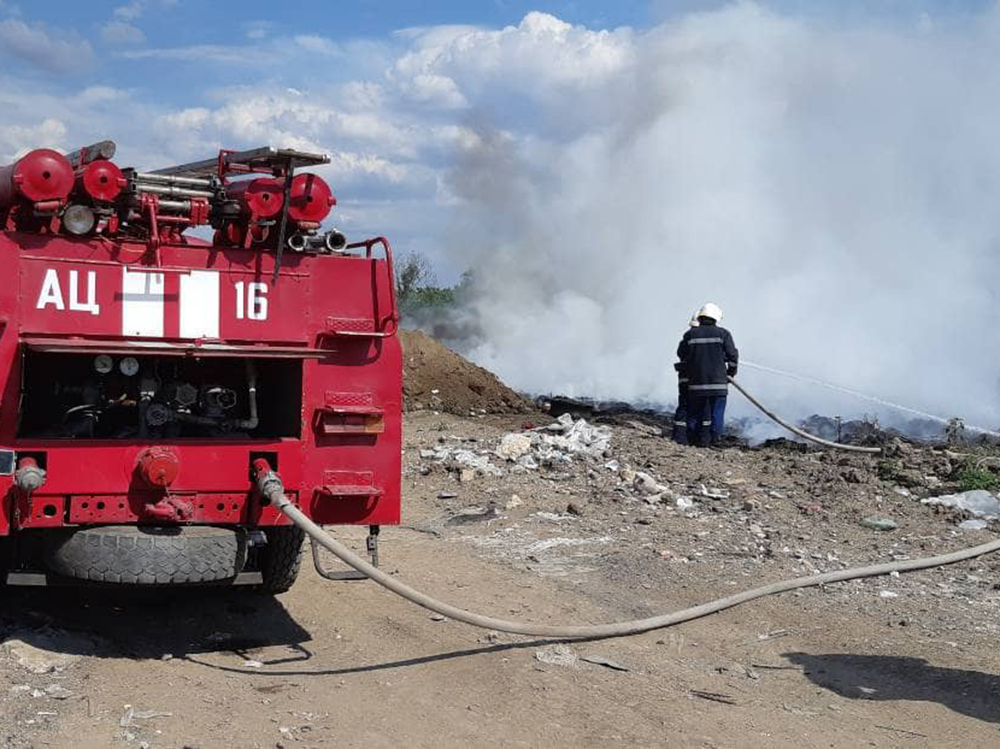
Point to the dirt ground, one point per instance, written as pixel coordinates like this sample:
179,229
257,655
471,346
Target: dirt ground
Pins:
908,661
438,379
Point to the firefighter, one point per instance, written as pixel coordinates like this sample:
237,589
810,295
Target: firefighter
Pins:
680,415
709,357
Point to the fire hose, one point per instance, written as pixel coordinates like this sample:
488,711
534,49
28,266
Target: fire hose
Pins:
273,491
802,433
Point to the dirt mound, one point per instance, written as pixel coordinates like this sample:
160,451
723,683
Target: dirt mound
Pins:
435,377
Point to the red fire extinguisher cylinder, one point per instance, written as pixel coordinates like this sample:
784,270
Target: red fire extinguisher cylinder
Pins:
310,198
101,180
259,197
41,175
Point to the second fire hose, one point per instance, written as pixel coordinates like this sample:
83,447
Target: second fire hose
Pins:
271,488
800,432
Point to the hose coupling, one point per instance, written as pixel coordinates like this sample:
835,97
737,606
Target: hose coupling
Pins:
29,475
269,483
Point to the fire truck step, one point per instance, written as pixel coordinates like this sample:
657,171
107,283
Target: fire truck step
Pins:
41,580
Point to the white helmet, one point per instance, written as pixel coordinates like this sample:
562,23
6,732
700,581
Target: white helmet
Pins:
693,322
712,311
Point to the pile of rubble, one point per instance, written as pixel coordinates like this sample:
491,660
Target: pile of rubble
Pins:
558,445
549,446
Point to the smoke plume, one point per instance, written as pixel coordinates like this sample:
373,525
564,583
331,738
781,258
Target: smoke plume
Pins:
834,187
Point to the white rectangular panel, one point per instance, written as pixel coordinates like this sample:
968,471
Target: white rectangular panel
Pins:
200,304
142,304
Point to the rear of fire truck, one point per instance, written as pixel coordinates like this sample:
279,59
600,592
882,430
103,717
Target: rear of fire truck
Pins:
152,382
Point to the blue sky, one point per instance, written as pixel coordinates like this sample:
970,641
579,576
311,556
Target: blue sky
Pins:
397,90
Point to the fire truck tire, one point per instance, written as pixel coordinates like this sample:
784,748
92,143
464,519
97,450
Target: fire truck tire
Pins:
133,555
282,558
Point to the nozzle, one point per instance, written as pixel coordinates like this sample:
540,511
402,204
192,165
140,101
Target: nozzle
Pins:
297,242
334,240
29,476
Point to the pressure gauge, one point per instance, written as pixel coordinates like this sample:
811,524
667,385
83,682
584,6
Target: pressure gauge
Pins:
103,364
129,366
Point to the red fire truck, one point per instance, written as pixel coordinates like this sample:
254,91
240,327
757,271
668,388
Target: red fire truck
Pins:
150,379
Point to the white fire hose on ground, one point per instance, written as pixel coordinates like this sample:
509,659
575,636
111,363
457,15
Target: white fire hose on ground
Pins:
273,491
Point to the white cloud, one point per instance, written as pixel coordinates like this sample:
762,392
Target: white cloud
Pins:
197,54
122,32
318,45
16,140
436,90
46,49
540,57
100,94
131,11
256,30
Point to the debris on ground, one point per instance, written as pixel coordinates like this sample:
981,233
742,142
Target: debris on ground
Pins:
978,502
600,660
557,655
47,650
880,524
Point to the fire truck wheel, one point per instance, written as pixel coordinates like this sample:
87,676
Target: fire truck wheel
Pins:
147,555
282,558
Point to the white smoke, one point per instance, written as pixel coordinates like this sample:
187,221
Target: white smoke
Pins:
835,188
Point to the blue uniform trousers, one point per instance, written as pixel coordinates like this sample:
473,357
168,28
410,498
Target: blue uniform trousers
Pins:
706,418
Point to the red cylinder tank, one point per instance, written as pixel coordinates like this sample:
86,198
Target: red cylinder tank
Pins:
262,197
101,180
40,175
311,198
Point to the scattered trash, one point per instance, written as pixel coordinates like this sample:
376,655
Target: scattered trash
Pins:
888,594
438,618
551,516
47,650
472,515
600,660
879,524
253,664
713,493
576,437
557,655
513,502
978,502
58,692
973,525
773,635
514,446
446,495
725,699
646,484
685,503
131,714
459,459
798,710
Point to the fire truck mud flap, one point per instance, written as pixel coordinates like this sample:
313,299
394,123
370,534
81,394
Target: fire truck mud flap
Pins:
147,555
